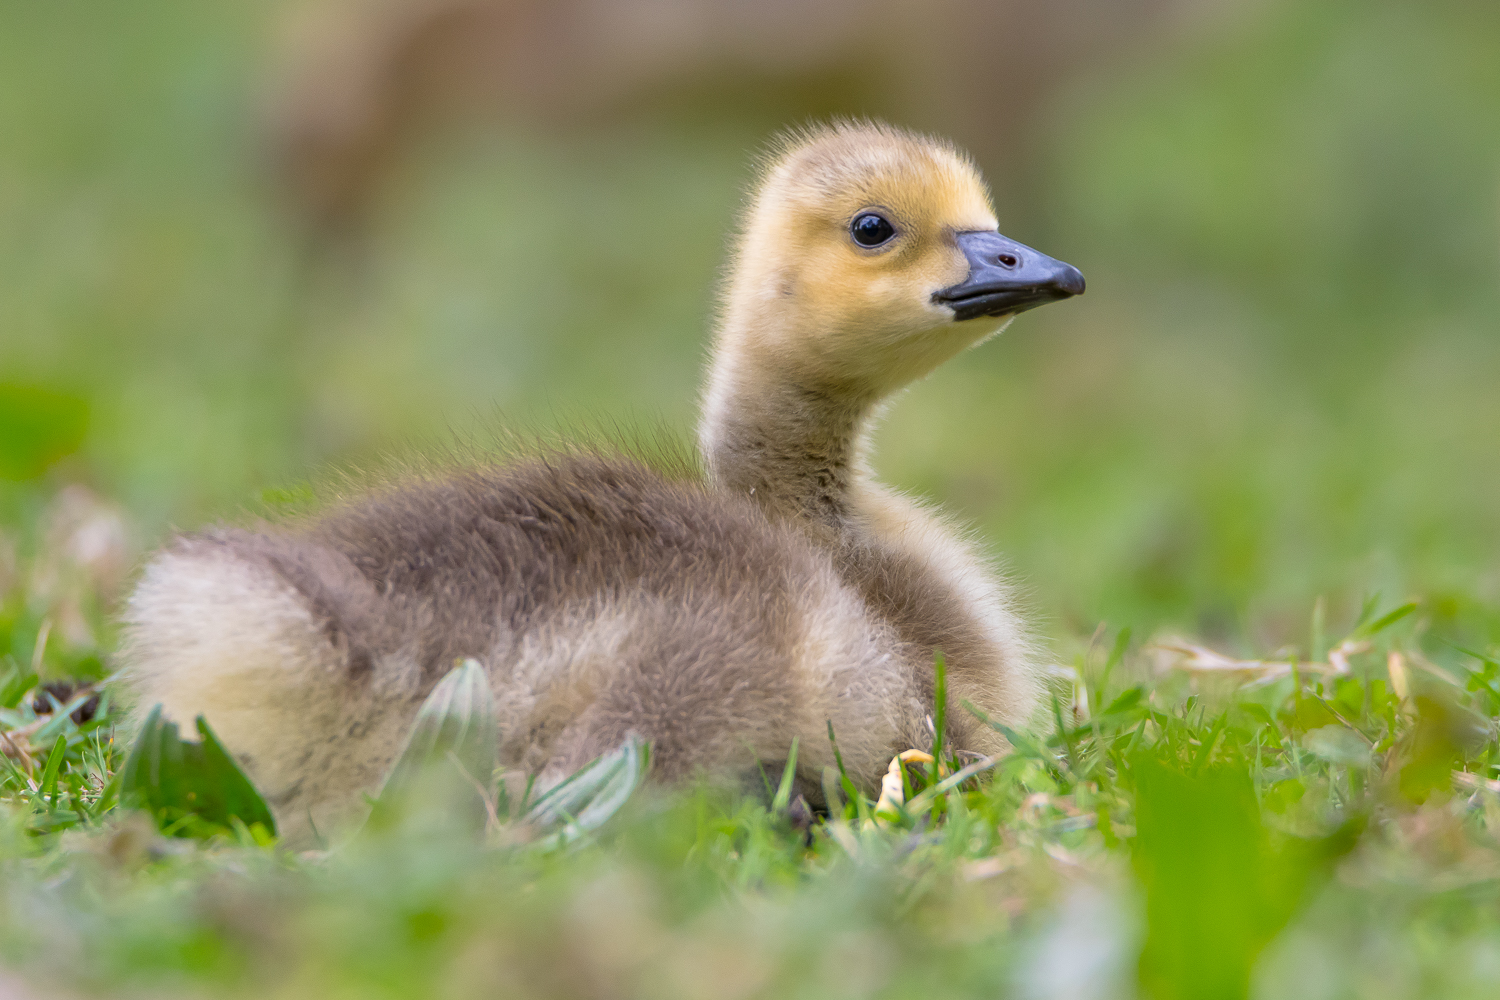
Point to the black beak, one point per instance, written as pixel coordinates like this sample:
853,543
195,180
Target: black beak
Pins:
1006,277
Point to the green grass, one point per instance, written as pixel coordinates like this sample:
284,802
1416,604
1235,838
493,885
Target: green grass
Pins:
1200,824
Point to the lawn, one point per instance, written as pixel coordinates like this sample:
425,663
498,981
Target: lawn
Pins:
1250,486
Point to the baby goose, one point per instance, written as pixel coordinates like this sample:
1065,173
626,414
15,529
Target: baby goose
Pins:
720,620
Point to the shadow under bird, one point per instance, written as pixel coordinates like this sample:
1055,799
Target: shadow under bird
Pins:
718,615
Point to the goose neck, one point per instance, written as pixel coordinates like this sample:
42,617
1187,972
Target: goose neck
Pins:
798,450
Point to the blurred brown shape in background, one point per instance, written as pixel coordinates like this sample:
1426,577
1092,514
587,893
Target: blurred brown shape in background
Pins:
361,81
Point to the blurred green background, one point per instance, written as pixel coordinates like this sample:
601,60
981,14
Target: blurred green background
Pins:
241,241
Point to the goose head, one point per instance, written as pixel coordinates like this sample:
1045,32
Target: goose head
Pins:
867,257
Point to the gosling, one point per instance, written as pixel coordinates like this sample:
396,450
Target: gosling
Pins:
719,617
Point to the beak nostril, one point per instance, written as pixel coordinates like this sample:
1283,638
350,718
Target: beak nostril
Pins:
1008,260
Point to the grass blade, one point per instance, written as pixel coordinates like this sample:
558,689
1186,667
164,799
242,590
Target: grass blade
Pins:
16,683
592,794
450,754
457,718
939,714
850,792
788,774
48,788
1116,656
1386,620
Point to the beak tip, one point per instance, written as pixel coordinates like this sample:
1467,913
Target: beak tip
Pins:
1071,281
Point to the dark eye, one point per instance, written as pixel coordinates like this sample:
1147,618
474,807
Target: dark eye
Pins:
871,230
